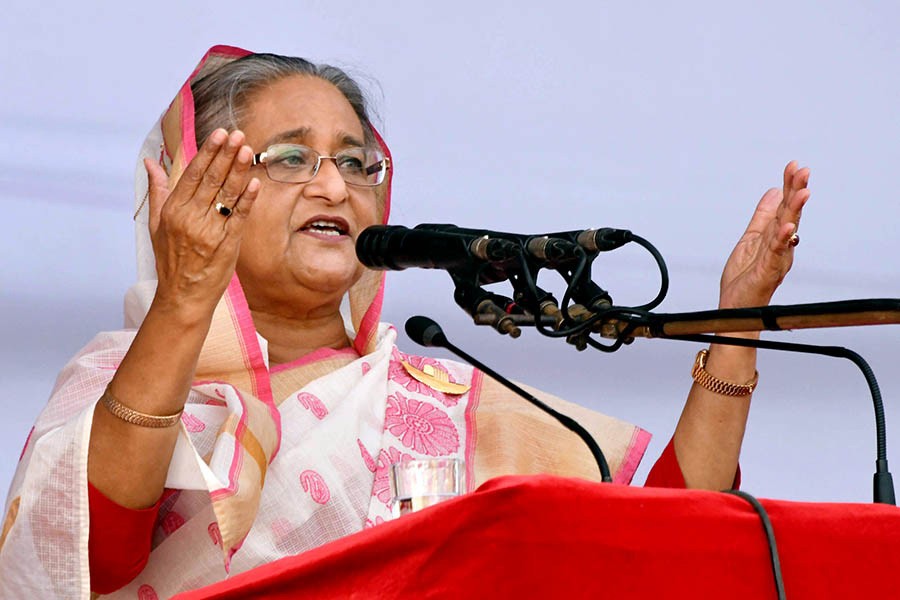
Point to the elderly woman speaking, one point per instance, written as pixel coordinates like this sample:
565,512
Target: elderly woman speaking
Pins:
254,406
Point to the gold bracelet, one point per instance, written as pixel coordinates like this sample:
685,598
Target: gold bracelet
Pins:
134,417
719,386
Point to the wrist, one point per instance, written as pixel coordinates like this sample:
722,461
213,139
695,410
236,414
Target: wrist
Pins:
733,363
730,300
186,315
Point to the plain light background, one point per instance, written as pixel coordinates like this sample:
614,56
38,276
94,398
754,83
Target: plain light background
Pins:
669,120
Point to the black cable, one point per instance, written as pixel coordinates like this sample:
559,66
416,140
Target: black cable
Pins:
574,279
576,276
770,538
883,484
663,272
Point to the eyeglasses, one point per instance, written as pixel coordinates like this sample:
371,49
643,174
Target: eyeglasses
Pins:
293,163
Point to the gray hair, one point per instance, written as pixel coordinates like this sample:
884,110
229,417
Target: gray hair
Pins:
221,96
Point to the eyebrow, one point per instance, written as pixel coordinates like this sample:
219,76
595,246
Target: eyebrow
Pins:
301,133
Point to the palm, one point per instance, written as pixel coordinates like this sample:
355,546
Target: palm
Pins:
763,255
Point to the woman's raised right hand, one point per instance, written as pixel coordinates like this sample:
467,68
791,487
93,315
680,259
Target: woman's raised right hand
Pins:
196,248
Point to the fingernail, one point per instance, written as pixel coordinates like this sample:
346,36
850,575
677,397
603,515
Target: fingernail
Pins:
253,186
218,136
236,138
244,154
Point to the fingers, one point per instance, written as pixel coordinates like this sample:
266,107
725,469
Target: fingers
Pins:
243,206
195,173
795,195
789,171
218,173
157,191
765,212
235,179
781,241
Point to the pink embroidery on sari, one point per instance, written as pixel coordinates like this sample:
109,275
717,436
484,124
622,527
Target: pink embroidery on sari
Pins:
366,367
146,592
171,522
313,483
382,486
281,528
192,423
420,426
217,402
367,458
214,534
398,374
313,404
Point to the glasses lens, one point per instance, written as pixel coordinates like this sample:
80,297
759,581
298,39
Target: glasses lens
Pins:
361,166
291,163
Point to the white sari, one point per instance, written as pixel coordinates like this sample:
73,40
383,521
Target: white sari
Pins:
271,462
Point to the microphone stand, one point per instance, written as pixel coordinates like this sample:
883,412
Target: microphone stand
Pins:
883,482
624,324
426,332
475,257
843,313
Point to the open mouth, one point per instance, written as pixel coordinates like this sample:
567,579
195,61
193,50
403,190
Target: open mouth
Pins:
331,226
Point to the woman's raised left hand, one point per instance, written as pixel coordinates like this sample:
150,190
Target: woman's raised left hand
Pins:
764,254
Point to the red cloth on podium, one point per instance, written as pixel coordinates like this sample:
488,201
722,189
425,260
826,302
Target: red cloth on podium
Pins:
115,559
543,536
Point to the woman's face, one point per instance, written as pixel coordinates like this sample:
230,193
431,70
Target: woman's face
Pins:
298,247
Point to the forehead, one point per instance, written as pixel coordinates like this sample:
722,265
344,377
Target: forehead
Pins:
304,104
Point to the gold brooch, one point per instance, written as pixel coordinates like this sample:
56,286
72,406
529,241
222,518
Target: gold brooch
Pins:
435,379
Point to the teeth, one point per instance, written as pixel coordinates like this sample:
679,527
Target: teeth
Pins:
326,228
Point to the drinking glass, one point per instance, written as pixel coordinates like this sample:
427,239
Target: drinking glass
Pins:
417,484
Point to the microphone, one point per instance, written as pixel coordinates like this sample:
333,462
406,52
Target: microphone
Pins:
555,250
394,247
426,332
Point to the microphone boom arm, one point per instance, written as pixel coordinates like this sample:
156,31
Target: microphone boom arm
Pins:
842,313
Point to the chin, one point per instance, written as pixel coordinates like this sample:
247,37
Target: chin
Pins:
336,280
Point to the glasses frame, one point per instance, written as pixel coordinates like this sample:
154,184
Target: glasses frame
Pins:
260,159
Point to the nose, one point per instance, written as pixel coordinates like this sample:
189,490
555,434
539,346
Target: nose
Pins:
327,183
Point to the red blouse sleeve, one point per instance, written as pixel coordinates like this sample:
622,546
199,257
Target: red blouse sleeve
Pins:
667,472
119,541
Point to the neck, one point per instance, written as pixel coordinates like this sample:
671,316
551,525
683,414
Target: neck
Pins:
291,337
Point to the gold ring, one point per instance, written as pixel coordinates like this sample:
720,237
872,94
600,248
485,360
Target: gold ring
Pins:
222,209
794,240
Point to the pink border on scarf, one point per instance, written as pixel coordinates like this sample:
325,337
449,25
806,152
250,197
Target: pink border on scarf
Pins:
237,458
639,442
252,353
312,357
189,142
387,193
471,433
368,327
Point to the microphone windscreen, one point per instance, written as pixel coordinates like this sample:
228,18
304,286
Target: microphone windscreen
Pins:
425,331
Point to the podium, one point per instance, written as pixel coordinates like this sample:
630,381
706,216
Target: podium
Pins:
552,537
